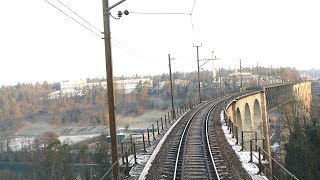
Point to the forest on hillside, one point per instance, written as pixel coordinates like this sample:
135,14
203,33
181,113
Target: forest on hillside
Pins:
26,102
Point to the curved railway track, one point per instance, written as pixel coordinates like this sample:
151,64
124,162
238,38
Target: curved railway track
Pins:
193,153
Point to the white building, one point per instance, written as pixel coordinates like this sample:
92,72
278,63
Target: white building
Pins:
130,84
74,87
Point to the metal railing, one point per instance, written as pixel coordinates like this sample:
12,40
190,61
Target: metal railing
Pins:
137,143
264,168
281,173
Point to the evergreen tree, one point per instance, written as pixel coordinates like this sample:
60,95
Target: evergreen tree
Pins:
303,151
102,156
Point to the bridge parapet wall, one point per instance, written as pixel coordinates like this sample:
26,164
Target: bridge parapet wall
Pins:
302,93
280,94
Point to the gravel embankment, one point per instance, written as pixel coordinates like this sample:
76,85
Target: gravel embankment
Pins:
232,162
156,171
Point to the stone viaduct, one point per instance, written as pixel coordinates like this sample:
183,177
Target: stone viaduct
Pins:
249,112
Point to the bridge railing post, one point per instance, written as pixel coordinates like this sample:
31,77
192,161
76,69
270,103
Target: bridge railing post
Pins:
165,120
122,152
161,123
264,148
232,127
149,143
153,134
135,153
237,136
226,121
256,139
251,151
158,129
131,142
169,117
144,143
260,165
242,141
127,164
178,108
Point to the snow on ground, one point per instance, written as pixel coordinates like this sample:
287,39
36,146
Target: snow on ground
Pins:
244,156
20,142
76,138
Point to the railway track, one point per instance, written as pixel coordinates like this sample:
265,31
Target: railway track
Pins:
194,152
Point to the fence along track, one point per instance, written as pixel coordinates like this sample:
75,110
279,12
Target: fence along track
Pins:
194,159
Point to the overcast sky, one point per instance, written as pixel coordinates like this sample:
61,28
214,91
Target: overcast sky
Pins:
40,43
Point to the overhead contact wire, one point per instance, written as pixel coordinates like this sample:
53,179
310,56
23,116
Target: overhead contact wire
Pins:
73,19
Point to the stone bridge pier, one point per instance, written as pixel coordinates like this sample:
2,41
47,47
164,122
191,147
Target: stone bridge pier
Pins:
249,113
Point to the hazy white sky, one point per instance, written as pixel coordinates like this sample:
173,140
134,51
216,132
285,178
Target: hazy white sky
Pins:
39,43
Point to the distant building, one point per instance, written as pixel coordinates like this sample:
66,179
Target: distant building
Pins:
71,85
305,76
130,84
176,81
74,87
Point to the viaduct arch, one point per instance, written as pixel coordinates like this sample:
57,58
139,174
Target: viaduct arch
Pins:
249,112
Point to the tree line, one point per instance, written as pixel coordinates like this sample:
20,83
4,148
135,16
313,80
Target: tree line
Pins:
21,102
48,158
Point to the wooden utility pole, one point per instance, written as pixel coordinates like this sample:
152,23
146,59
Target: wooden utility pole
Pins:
171,89
240,75
109,74
258,74
213,73
220,85
199,88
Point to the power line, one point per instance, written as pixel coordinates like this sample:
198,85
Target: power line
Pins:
73,19
194,3
115,42
192,27
79,16
191,21
129,49
132,53
160,13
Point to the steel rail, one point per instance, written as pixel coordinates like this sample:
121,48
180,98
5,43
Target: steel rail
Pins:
184,137
181,140
208,142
